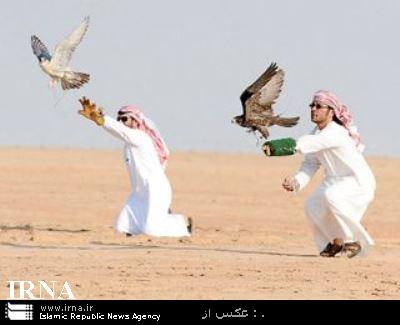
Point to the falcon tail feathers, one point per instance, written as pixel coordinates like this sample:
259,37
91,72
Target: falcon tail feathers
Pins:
285,121
74,80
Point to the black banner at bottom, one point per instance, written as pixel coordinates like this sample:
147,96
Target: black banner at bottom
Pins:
157,311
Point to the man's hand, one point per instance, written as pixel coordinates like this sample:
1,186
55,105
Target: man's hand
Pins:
290,184
91,111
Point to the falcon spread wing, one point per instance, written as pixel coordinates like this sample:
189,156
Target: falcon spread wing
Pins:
257,101
64,49
259,97
39,49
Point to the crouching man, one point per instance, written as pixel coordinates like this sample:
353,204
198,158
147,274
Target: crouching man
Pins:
337,206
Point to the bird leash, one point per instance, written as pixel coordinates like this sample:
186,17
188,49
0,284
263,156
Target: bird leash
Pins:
57,100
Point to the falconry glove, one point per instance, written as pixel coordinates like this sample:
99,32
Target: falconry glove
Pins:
280,147
91,111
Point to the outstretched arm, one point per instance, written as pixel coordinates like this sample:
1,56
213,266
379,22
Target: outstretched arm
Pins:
120,131
312,143
306,144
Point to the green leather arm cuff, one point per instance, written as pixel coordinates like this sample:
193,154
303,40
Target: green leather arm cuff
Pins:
280,147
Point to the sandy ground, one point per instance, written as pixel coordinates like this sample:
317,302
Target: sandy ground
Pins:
251,240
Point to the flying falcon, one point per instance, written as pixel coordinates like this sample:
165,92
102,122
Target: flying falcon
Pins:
57,67
257,101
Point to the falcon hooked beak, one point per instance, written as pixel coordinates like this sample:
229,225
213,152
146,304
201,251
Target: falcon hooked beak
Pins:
237,120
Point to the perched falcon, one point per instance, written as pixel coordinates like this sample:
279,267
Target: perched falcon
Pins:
57,66
257,101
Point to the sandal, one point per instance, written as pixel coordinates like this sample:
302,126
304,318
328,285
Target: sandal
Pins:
352,249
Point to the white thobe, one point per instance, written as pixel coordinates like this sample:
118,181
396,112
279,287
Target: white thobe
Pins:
335,209
146,210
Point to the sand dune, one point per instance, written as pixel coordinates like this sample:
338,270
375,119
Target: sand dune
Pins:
251,241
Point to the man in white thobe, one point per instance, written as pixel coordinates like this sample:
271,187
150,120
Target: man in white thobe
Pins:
145,153
335,209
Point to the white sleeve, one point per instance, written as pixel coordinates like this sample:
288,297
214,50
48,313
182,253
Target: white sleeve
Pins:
308,168
316,142
121,131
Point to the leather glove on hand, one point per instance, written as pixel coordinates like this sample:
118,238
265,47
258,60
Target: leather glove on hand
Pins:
91,111
280,147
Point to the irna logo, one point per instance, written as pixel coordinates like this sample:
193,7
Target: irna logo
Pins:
42,290
19,311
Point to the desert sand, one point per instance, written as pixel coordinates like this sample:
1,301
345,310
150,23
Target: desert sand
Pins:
251,239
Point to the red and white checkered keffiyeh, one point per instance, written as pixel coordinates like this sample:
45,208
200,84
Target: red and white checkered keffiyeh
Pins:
342,113
147,126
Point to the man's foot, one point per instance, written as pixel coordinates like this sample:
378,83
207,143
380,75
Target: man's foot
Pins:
333,249
190,225
352,249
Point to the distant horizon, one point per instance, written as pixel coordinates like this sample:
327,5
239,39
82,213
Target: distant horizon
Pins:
195,151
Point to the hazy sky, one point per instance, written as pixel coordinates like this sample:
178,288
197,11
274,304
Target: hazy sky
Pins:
186,63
